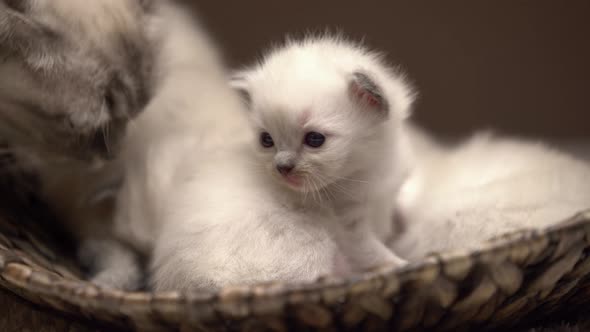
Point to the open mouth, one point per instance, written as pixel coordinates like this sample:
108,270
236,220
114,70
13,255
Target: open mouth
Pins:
293,180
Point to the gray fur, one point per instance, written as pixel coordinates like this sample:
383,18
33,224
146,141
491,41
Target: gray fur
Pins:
69,83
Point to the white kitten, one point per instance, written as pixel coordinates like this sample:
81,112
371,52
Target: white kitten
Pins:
193,199
328,117
459,197
198,201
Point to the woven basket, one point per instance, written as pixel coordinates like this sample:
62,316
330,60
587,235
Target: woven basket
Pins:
512,279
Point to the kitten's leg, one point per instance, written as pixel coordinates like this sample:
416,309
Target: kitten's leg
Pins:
112,264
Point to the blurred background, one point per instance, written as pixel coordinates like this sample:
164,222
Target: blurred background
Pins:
521,67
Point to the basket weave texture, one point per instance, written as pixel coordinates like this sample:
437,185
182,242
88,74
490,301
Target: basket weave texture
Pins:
511,279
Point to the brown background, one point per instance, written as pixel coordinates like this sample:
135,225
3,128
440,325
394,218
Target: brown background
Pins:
520,66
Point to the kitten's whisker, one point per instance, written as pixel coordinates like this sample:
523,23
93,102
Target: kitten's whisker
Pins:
105,137
337,181
329,195
305,190
349,179
337,186
312,190
323,187
315,192
343,190
320,190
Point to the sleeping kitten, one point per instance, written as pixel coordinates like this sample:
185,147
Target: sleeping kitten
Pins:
329,118
191,107
459,197
72,74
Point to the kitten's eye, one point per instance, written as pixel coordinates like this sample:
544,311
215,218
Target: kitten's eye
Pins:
314,140
266,140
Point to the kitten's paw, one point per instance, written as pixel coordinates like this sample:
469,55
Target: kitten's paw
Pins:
112,264
389,266
395,262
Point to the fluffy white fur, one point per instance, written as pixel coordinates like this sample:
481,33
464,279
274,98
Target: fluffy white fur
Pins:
199,201
192,198
458,197
325,86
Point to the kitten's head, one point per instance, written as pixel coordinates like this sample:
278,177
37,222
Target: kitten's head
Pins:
72,73
321,110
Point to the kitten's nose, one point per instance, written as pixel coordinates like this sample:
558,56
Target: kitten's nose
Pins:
285,169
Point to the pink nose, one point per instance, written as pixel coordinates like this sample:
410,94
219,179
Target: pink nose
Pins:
285,169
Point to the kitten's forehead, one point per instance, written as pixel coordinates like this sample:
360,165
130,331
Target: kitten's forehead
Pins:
291,107
278,118
296,91
305,85
298,79
320,68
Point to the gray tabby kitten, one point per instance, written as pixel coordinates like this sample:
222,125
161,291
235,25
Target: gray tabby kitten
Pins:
71,74
185,63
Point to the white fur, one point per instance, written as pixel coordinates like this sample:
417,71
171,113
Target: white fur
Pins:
459,197
196,199
225,227
190,198
354,176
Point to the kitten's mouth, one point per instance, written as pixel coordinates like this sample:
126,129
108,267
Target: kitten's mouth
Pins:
293,180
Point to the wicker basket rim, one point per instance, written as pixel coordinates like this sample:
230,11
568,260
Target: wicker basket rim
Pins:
24,277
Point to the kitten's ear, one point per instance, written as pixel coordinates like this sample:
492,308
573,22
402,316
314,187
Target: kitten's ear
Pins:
365,92
239,83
